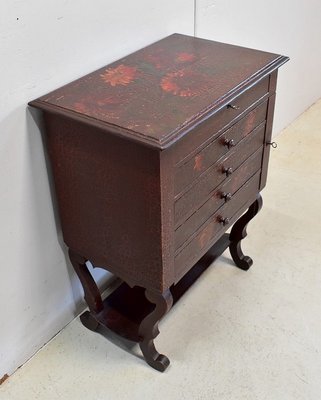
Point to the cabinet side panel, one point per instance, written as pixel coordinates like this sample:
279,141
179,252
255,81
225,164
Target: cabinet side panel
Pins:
167,162
268,130
108,192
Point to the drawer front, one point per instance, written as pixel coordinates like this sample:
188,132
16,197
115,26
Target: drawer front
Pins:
215,175
211,230
226,116
186,173
217,199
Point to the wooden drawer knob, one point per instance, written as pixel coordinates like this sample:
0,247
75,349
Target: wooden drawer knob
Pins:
233,106
228,171
226,196
229,143
224,221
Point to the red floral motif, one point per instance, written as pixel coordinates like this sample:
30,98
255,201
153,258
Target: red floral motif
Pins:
158,60
205,236
198,161
185,57
121,75
161,59
184,83
90,105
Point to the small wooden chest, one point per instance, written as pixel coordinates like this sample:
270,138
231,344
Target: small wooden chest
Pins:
154,158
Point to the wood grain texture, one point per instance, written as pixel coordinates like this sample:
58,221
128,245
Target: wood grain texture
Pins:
125,309
91,291
148,329
216,200
238,233
205,132
108,192
268,131
180,76
215,175
154,158
211,230
186,173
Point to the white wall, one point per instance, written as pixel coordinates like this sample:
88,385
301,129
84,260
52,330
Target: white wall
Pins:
288,27
42,46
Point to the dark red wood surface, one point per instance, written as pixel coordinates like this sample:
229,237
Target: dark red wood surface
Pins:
126,307
180,77
205,132
200,162
215,200
140,166
211,231
268,130
108,192
215,175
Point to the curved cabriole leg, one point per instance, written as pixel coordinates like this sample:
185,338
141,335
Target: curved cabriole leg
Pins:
238,233
148,329
91,291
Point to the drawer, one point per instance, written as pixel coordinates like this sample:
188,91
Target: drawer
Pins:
210,231
204,132
215,175
186,173
216,199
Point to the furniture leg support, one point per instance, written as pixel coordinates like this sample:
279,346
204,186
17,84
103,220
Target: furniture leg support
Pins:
148,329
238,233
91,291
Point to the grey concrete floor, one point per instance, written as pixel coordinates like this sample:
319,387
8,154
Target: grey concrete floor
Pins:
234,335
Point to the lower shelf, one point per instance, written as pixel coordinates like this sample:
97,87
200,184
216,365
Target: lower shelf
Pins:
126,307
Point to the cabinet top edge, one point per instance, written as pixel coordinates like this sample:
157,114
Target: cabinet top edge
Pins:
153,98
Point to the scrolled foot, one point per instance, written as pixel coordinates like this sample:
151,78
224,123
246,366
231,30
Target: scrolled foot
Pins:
238,233
148,329
89,321
241,261
158,361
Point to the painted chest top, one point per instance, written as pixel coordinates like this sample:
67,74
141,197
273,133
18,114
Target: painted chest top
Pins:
158,92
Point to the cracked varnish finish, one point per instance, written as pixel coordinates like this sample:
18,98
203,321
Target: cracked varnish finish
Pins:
141,165
179,77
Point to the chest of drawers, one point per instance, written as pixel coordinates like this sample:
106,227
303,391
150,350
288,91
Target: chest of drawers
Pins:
154,158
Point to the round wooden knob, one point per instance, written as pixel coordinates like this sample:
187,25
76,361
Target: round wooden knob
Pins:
229,143
226,196
228,171
233,106
224,221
